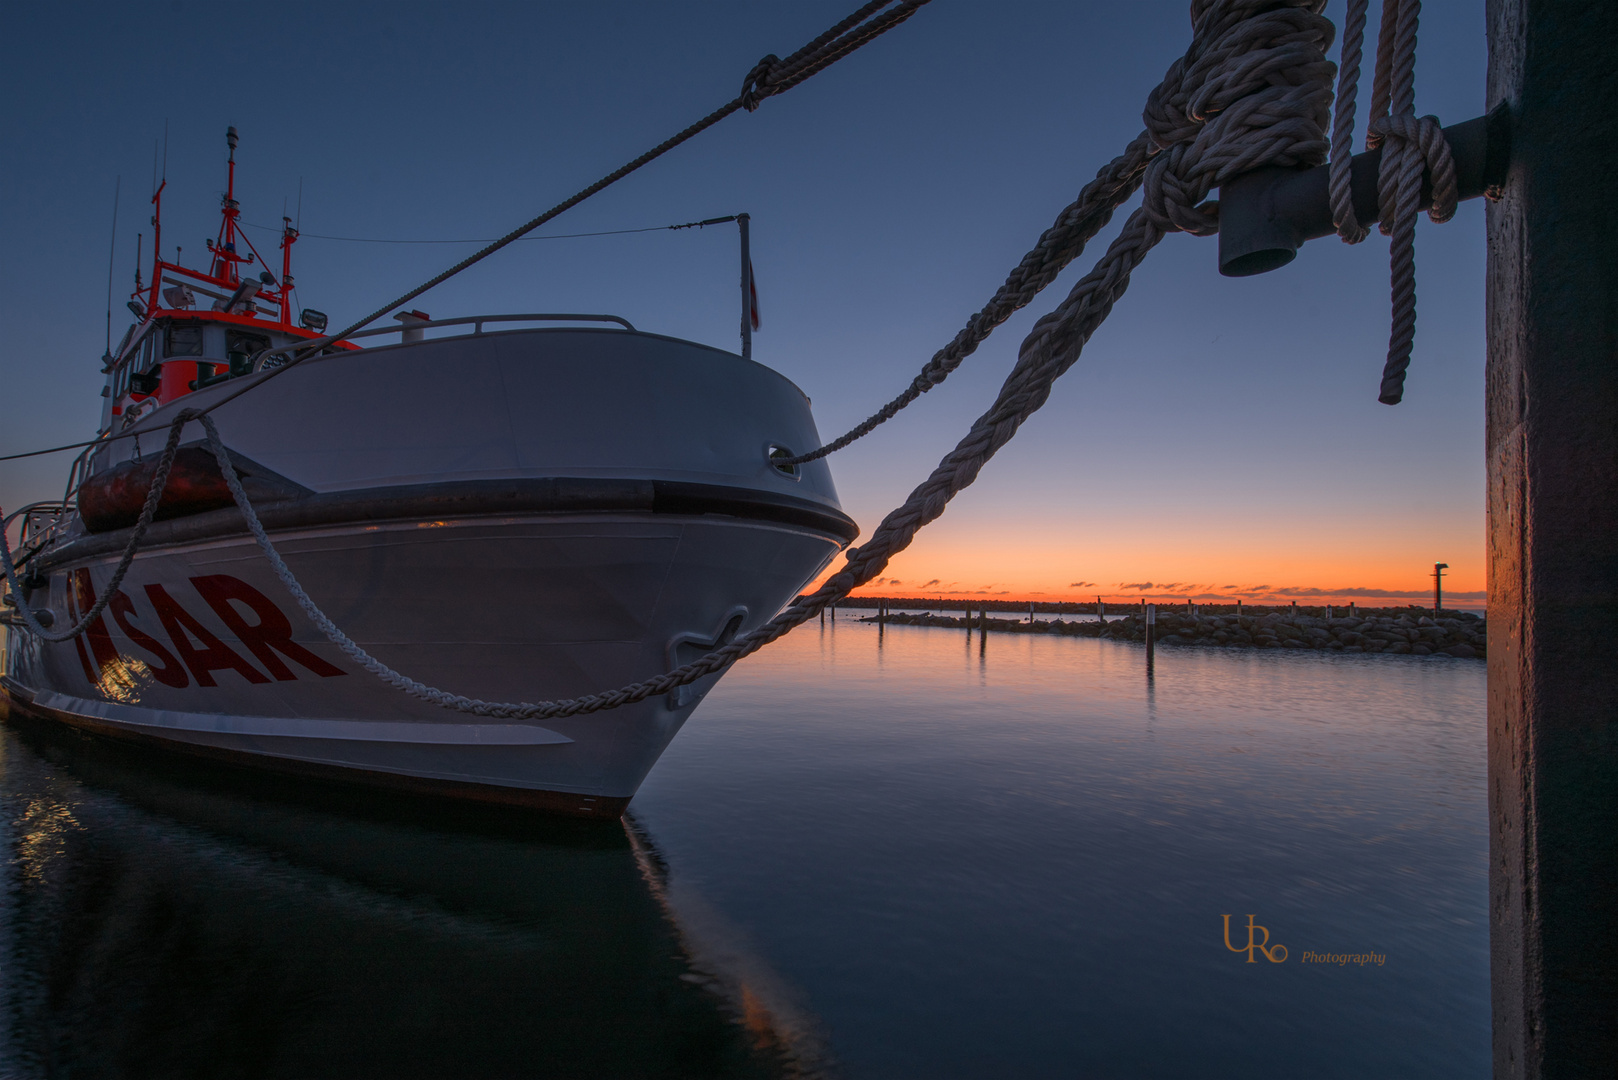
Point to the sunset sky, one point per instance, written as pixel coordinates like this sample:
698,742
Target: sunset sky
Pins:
1219,437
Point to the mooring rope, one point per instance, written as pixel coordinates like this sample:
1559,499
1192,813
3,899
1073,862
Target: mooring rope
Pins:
769,77
148,512
1077,224
1412,147
1058,246
1252,90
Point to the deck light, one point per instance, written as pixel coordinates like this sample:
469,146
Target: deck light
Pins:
310,319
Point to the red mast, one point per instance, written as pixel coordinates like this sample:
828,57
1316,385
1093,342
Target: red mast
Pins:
243,300
225,257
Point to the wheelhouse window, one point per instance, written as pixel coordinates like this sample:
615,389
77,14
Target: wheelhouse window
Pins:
244,344
183,339
141,357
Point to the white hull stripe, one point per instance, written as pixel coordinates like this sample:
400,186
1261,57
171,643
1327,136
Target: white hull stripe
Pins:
295,728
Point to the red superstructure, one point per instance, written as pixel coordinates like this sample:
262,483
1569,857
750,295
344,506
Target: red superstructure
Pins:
176,347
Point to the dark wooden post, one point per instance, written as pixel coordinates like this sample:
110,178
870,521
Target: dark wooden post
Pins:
1552,444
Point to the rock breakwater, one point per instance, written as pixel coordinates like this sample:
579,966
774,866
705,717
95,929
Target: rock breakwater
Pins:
1457,634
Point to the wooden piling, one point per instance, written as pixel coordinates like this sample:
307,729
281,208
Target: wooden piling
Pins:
1551,394
1151,634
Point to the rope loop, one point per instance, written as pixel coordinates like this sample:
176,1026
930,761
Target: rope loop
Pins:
1254,89
148,512
1414,144
755,88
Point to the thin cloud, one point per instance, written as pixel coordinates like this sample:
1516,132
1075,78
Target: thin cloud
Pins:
1082,585
930,584
1136,585
1399,594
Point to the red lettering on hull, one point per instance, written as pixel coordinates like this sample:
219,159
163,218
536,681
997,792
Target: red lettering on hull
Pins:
270,635
202,652
171,672
197,651
82,595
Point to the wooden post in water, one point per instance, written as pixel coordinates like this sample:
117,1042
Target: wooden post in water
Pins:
1551,394
1151,634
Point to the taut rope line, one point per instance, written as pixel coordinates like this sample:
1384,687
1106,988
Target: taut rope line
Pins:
1252,90
769,77
148,511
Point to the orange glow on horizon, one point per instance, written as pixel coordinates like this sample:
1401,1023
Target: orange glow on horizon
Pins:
1207,569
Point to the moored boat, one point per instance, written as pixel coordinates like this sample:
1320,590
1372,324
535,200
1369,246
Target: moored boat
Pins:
515,507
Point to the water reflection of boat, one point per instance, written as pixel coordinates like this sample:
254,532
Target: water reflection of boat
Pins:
160,920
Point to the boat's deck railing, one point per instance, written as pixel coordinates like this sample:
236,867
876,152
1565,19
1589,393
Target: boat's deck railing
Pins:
413,331
41,523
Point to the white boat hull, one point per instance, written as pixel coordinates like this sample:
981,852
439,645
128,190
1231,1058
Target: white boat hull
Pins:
527,585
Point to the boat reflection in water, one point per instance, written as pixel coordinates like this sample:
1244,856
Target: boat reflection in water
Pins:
159,919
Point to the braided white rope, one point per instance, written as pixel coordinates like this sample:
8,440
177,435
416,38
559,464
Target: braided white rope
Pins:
1254,89
148,511
1412,147
1339,177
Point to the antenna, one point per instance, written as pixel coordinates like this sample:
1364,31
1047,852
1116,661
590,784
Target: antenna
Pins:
299,225
139,239
165,148
111,258
154,166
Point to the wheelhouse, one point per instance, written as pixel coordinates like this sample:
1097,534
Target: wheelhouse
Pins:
180,343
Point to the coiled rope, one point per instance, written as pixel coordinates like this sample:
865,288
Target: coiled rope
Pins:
1412,147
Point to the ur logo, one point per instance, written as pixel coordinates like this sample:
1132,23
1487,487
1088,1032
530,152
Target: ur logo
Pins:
1253,945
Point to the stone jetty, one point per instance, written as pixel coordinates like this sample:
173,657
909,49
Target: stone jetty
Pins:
1394,631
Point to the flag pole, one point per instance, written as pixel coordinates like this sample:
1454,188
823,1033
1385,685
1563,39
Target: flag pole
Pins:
747,281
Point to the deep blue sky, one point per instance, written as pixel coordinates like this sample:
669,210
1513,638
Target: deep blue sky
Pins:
1216,431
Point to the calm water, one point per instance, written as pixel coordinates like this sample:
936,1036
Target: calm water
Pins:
905,855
